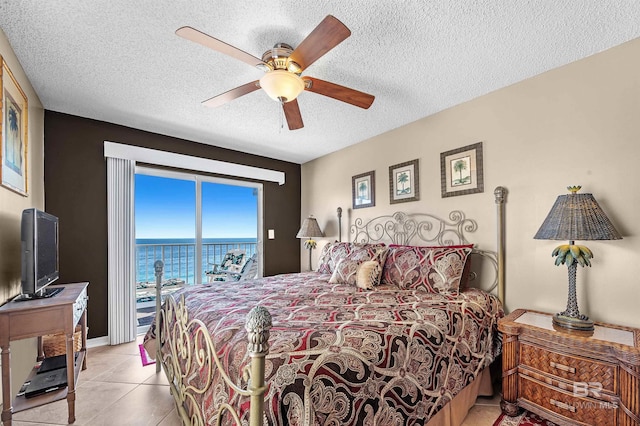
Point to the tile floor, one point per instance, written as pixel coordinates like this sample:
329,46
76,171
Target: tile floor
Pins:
485,412
116,389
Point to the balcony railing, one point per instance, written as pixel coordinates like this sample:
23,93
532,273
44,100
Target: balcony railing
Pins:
180,259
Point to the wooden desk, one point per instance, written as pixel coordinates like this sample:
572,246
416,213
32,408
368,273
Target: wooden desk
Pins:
34,318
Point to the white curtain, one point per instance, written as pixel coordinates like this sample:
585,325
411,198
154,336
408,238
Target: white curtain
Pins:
121,263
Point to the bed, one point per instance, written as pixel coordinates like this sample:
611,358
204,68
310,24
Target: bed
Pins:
391,329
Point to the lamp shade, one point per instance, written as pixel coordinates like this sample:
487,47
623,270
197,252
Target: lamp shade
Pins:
577,217
282,85
310,229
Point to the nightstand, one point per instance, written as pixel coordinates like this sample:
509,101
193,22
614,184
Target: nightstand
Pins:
570,377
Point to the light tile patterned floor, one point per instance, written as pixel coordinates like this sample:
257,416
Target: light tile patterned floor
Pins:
116,389
485,412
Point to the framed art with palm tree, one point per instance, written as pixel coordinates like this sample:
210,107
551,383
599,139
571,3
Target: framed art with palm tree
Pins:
461,171
404,182
363,189
13,125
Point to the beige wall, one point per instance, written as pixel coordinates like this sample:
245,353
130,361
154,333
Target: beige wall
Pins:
11,206
576,125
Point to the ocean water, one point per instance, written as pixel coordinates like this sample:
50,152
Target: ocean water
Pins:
178,255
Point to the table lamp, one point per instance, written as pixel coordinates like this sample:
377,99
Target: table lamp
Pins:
310,230
575,217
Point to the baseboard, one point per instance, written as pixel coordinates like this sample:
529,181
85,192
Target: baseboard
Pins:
97,341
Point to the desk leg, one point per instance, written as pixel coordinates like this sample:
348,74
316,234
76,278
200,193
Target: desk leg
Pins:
71,379
6,384
40,349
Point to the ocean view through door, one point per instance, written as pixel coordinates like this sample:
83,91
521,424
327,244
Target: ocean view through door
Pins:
191,223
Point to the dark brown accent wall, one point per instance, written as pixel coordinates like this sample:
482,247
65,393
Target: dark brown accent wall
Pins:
75,182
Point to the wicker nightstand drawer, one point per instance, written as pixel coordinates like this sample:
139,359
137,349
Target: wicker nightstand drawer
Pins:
573,408
575,369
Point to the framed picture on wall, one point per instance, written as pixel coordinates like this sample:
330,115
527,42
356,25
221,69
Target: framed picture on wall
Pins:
404,182
461,171
363,190
14,111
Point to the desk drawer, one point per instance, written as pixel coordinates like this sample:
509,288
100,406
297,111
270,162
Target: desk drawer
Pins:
575,369
586,410
79,306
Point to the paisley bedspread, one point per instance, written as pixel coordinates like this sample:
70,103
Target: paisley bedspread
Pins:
340,355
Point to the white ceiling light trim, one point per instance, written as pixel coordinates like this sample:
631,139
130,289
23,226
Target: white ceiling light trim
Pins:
188,162
281,85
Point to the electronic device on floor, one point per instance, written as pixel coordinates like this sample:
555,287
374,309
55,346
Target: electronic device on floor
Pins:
54,363
46,382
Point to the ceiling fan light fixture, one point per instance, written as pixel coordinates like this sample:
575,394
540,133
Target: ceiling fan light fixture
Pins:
294,67
281,85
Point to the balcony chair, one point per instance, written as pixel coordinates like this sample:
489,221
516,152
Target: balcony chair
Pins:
248,271
232,262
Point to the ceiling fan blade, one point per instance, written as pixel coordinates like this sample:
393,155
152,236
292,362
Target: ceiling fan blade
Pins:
232,94
327,35
292,113
213,43
341,93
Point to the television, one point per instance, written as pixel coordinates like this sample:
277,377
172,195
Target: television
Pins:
39,234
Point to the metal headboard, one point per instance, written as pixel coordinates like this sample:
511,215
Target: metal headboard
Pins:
424,229
414,229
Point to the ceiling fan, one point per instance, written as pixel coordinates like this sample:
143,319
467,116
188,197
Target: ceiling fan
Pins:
283,65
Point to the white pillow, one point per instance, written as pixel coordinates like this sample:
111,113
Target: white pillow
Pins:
368,274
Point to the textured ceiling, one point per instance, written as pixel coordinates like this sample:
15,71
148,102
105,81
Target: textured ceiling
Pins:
119,61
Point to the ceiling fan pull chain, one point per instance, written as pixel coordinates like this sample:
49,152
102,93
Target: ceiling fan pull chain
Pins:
282,116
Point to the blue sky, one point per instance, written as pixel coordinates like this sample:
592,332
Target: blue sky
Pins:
165,208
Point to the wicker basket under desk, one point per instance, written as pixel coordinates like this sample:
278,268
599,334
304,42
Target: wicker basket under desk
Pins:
56,344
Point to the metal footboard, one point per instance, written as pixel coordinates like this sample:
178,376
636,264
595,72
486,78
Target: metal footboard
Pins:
189,353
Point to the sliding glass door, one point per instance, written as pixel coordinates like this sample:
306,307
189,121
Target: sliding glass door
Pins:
190,222
229,223
165,222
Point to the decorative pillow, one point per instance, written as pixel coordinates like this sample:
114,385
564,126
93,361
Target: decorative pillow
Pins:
332,253
431,269
346,269
466,274
368,274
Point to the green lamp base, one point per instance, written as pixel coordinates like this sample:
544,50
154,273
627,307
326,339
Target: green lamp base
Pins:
582,324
